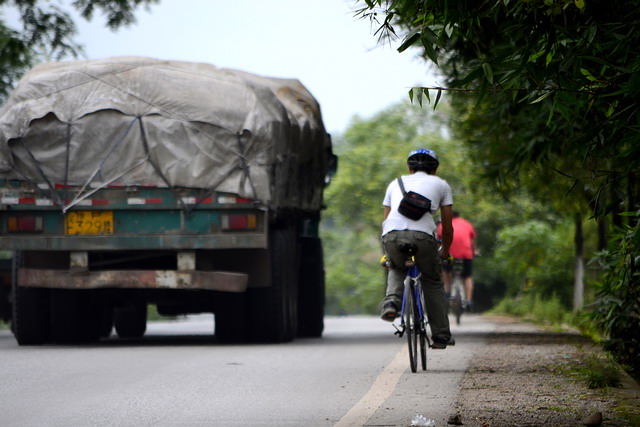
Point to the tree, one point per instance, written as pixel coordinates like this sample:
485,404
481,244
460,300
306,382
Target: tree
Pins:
570,67
47,32
372,152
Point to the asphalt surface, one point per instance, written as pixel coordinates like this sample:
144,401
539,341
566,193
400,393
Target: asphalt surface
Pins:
357,374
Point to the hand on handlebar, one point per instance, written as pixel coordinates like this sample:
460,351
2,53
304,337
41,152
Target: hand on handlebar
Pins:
446,259
385,263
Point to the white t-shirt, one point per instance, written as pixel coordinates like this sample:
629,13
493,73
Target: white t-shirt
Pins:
430,186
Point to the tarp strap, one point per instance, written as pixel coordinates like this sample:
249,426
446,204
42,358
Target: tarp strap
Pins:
244,165
31,181
78,199
67,160
80,195
54,195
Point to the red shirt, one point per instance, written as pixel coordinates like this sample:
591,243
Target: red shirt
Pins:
463,235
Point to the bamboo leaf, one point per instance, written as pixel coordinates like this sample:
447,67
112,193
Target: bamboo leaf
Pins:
488,71
409,41
435,104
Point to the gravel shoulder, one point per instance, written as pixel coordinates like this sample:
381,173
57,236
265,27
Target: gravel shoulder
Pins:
520,378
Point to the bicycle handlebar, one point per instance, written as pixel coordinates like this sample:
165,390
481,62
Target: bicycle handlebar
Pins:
448,261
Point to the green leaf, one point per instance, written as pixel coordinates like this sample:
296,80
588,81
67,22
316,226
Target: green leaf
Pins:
544,95
435,104
426,94
587,74
550,56
551,111
488,72
429,50
420,97
610,111
409,41
448,30
483,91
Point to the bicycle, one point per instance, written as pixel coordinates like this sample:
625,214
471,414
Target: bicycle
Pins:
413,318
457,290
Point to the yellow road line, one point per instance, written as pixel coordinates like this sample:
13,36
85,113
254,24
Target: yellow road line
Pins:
378,393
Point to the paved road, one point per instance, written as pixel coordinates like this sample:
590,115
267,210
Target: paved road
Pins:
357,374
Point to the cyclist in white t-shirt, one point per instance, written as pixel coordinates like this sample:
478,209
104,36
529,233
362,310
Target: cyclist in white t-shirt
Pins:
398,229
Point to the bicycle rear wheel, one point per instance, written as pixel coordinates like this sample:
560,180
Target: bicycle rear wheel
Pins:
457,300
422,322
410,315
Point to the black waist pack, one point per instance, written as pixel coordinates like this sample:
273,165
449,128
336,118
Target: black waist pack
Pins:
413,205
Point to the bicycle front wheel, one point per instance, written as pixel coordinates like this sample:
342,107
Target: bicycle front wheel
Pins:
412,328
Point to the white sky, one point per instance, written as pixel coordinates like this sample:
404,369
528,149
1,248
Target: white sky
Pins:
319,42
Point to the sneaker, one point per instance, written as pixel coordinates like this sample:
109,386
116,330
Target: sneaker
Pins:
389,312
441,342
468,305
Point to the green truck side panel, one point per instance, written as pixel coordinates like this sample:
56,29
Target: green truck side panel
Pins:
175,219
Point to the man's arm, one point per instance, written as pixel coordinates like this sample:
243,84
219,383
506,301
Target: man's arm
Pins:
387,209
446,215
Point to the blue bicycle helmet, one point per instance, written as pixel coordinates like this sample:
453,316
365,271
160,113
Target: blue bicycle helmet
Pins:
423,159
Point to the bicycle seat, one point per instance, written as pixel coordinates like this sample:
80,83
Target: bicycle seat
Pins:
408,248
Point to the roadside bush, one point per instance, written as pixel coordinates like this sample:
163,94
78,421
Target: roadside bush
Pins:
537,258
616,310
536,308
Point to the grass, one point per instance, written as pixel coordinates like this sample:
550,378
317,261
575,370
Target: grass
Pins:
153,315
598,371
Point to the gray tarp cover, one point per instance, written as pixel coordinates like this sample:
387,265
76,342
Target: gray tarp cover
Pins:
141,121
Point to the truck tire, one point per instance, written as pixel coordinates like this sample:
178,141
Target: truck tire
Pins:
311,288
272,311
75,317
30,311
106,322
131,320
230,319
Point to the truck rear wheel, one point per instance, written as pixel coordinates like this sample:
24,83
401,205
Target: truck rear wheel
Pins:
75,316
131,320
30,315
30,311
230,319
273,311
311,288
106,320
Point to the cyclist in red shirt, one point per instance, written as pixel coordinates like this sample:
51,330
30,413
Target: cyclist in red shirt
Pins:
461,248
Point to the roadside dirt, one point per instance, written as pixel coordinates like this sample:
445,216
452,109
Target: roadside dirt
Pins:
518,380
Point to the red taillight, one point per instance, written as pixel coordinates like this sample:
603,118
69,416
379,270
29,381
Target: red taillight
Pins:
239,222
19,224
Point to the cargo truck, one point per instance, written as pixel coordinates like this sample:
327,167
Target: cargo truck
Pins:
129,182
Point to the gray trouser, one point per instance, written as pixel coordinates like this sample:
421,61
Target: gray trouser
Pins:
430,266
